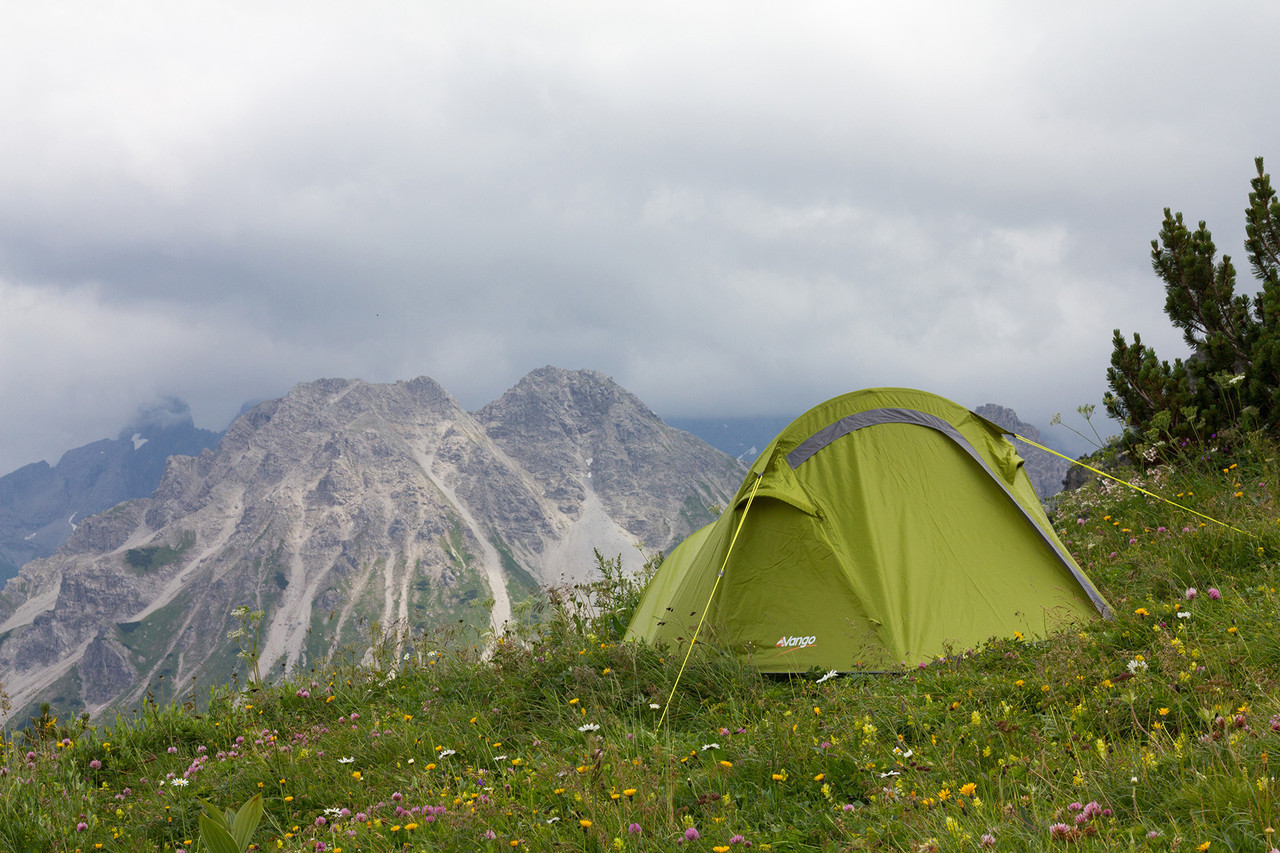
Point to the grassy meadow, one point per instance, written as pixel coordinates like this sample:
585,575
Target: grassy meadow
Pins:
1152,731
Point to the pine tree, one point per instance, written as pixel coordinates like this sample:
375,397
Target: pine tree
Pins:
1233,374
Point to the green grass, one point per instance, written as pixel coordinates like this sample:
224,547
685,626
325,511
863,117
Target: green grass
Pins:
1152,731
143,561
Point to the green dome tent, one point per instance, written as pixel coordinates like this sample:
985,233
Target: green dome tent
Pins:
881,528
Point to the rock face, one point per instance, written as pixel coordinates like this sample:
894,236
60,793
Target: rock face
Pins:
345,504
1045,470
40,504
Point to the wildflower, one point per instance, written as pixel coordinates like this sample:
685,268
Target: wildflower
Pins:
691,834
1204,847
988,840
589,727
584,823
1059,830
1214,595
720,848
1191,593
968,788
831,674
1142,611
355,774
726,764
654,706
1184,614
707,746
346,759
633,829
629,792
446,753
1136,666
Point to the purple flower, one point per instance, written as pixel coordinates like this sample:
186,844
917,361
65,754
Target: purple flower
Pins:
1191,593
633,829
691,834
988,840
1214,594
95,764
81,826
1059,830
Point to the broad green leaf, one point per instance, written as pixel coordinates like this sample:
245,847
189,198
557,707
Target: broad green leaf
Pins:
216,839
246,821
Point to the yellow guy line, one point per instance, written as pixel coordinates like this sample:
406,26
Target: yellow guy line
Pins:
1126,483
714,587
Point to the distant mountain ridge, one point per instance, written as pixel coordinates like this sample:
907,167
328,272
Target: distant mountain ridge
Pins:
40,504
1045,470
344,504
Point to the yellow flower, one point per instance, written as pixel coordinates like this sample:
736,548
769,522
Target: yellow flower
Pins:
968,788
411,826
1142,611
289,799
573,701
629,792
1204,847
1164,712
721,848
584,823
779,777
944,794
819,777
355,774
1231,630
726,764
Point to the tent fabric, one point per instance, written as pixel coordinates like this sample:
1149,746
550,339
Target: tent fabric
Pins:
890,526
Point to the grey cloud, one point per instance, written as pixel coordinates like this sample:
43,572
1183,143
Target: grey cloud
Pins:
731,208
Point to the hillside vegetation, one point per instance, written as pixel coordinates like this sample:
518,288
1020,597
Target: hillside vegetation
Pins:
1149,732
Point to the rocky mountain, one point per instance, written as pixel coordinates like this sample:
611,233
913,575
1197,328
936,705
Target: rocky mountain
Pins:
345,504
1045,470
41,504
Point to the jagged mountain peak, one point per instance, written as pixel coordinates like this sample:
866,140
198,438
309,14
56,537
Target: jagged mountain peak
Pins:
345,503
1045,470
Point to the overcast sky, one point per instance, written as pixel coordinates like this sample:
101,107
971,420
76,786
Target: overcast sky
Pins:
731,208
